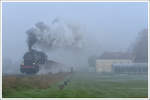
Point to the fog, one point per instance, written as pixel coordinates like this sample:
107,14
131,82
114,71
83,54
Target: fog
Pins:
70,32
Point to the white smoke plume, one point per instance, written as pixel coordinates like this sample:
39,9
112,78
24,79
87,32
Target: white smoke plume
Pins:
56,35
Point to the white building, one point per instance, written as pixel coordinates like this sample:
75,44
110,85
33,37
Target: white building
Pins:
107,59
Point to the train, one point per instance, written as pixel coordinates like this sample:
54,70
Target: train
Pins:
32,61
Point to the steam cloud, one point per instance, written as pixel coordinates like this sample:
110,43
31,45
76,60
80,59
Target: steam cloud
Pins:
57,35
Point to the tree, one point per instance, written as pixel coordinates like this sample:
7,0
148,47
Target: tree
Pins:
92,61
140,48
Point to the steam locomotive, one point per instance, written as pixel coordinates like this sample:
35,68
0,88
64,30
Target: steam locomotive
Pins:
32,61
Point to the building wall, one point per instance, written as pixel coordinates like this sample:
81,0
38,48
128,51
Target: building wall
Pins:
105,65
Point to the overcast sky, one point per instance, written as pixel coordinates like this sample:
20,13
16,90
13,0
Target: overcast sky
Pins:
111,26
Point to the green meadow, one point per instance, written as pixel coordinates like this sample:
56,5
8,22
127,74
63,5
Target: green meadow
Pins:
80,85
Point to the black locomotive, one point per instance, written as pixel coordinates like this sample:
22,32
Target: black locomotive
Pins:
32,61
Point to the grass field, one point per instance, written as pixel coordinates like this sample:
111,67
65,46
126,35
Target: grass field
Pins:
81,85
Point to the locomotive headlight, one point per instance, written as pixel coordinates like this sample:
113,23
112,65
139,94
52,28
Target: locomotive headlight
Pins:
33,63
